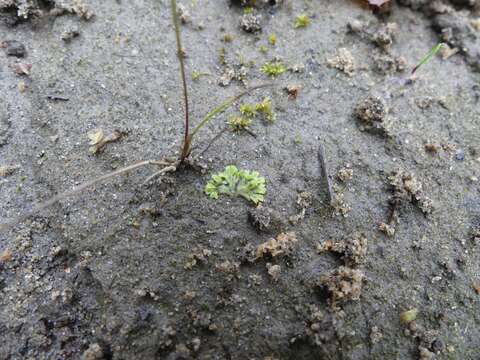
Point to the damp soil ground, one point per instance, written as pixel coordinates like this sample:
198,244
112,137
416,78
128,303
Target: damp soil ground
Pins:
129,270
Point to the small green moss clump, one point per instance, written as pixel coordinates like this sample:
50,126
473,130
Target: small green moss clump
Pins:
265,107
239,123
227,38
234,182
248,110
263,49
248,10
222,56
273,68
272,39
408,316
302,21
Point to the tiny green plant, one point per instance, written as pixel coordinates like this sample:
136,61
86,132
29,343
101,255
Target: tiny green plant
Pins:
196,75
272,39
265,108
248,110
234,182
302,21
227,38
167,165
239,123
427,57
273,68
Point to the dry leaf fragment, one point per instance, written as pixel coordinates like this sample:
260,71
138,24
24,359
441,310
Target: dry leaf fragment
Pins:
98,139
8,170
293,91
6,256
476,287
22,68
95,136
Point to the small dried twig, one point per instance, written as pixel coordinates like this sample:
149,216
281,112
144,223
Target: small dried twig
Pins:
324,173
57,98
79,189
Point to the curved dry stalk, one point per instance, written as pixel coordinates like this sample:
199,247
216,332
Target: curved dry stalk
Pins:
78,189
170,168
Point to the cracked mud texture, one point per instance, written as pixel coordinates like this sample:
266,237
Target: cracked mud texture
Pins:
104,274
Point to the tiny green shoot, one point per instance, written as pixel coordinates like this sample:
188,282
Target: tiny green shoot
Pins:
273,68
248,110
265,107
227,38
239,123
302,21
272,39
428,56
196,75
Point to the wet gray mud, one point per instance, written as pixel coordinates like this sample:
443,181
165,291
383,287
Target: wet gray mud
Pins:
129,270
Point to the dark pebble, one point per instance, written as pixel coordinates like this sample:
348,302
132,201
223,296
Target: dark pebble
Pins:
15,48
437,346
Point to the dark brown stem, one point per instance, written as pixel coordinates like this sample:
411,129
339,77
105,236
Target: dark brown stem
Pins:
181,58
215,138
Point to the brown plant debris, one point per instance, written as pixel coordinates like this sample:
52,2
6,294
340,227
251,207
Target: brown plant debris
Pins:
8,170
282,245
6,256
198,255
352,249
22,68
98,140
343,284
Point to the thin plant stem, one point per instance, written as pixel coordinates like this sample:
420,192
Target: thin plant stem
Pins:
181,59
427,57
224,106
76,190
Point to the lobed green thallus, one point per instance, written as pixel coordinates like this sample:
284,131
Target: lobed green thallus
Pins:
234,182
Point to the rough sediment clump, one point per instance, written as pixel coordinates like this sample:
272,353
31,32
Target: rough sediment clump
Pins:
31,8
251,23
406,188
372,113
353,249
343,61
282,245
343,284
266,219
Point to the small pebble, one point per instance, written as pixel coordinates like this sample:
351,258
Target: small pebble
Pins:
14,48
